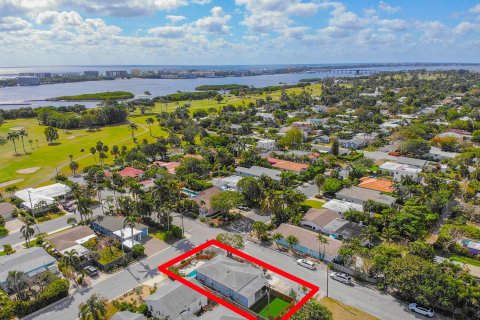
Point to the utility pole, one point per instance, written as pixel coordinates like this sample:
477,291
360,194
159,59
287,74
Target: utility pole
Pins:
327,279
31,205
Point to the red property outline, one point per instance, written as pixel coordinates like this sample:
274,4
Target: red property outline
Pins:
164,268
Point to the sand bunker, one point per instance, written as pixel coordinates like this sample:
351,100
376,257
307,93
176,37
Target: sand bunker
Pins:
70,137
28,170
16,128
7,183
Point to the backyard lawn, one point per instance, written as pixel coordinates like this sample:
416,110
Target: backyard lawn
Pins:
109,254
313,203
276,307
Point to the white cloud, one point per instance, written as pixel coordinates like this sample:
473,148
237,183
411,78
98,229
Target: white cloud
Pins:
342,18
23,7
475,9
128,8
465,27
385,7
392,25
265,16
175,19
201,2
170,32
216,23
64,18
13,24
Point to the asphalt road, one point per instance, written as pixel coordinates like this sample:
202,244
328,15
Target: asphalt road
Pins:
362,297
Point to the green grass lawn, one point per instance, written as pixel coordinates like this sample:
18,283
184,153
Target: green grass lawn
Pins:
109,254
314,203
276,307
47,159
160,235
467,260
3,253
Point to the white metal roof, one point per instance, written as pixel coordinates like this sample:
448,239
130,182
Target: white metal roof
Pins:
33,196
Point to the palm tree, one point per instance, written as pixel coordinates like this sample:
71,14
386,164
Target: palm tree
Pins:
131,221
259,228
27,232
16,281
12,136
70,258
73,166
132,126
292,241
115,151
94,308
322,240
93,151
277,236
22,134
370,234
30,141
150,121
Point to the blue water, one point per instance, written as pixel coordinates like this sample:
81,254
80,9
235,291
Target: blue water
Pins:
33,95
189,192
192,273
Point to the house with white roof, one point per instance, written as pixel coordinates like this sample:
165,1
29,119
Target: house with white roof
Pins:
43,198
266,144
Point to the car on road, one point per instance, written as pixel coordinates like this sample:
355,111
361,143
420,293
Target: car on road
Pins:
91,271
421,310
306,264
341,277
244,208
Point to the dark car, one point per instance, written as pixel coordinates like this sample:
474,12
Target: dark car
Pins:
91,271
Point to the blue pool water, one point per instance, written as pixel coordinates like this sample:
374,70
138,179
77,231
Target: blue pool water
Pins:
192,273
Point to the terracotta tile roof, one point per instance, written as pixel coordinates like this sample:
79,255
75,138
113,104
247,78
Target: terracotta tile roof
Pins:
376,184
127,172
287,165
170,166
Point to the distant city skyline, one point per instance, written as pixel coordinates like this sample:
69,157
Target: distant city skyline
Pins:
240,32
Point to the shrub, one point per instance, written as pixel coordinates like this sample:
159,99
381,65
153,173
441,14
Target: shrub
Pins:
138,250
168,235
177,231
3,231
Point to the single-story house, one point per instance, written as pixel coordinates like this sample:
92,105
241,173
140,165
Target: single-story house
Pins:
290,166
460,135
320,108
406,171
354,143
330,222
322,139
128,172
204,201
256,172
381,155
43,198
362,195
227,183
196,156
176,300
6,211
127,315
267,144
265,115
169,166
317,219
115,226
376,184
71,239
390,167
342,206
308,242
237,281
326,149
437,154
31,261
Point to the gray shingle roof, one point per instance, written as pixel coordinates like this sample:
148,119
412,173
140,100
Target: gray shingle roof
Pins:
175,297
239,277
364,195
31,260
114,224
257,171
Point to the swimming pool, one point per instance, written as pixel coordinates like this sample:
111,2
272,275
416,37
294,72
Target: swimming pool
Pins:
192,273
190,193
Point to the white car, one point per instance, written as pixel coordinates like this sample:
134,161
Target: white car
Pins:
341,277
421,310
244,208
306,264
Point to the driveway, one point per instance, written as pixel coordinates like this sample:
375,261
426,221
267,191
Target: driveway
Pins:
153,246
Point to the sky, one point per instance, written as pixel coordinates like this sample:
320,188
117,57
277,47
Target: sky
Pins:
214,32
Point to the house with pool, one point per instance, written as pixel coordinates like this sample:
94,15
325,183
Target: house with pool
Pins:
237,281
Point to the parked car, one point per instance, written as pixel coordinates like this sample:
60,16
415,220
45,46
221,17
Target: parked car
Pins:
91,271
341,277
306,264
244,208
421,310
